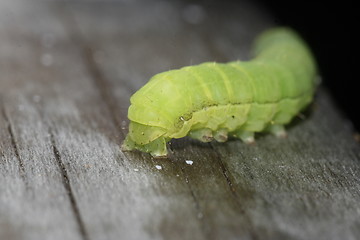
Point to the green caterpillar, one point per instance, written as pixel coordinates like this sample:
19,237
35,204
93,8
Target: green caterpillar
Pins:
215,100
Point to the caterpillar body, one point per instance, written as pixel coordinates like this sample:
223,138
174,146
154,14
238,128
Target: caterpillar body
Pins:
215,100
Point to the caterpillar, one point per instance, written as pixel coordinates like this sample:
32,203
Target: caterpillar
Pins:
217,100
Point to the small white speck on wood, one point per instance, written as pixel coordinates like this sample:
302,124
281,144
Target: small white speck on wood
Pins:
189,162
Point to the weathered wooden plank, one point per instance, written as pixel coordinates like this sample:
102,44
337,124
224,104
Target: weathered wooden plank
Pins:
12,183
115,196
110,196
272,190
220,215
34,199
69,72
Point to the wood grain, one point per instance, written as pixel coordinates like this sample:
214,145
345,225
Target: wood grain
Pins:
67,72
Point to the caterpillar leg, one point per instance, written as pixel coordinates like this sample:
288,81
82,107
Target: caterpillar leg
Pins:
156,148
277,130
221,135
203,135
246,136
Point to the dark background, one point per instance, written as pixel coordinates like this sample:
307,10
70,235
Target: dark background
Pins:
330,28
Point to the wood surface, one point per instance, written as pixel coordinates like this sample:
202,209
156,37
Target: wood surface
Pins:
68,69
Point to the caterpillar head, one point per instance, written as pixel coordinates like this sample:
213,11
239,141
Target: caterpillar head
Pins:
146,138
152,116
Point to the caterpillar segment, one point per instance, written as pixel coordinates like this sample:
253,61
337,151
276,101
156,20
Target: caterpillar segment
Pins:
215,101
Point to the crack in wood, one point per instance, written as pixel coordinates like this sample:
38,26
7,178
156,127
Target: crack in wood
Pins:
68,188
101,84
15,147
104,91
234,193
197,205
224,171
96,74
199,214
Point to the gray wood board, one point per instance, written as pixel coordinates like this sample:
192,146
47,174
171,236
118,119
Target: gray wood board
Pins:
67,72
